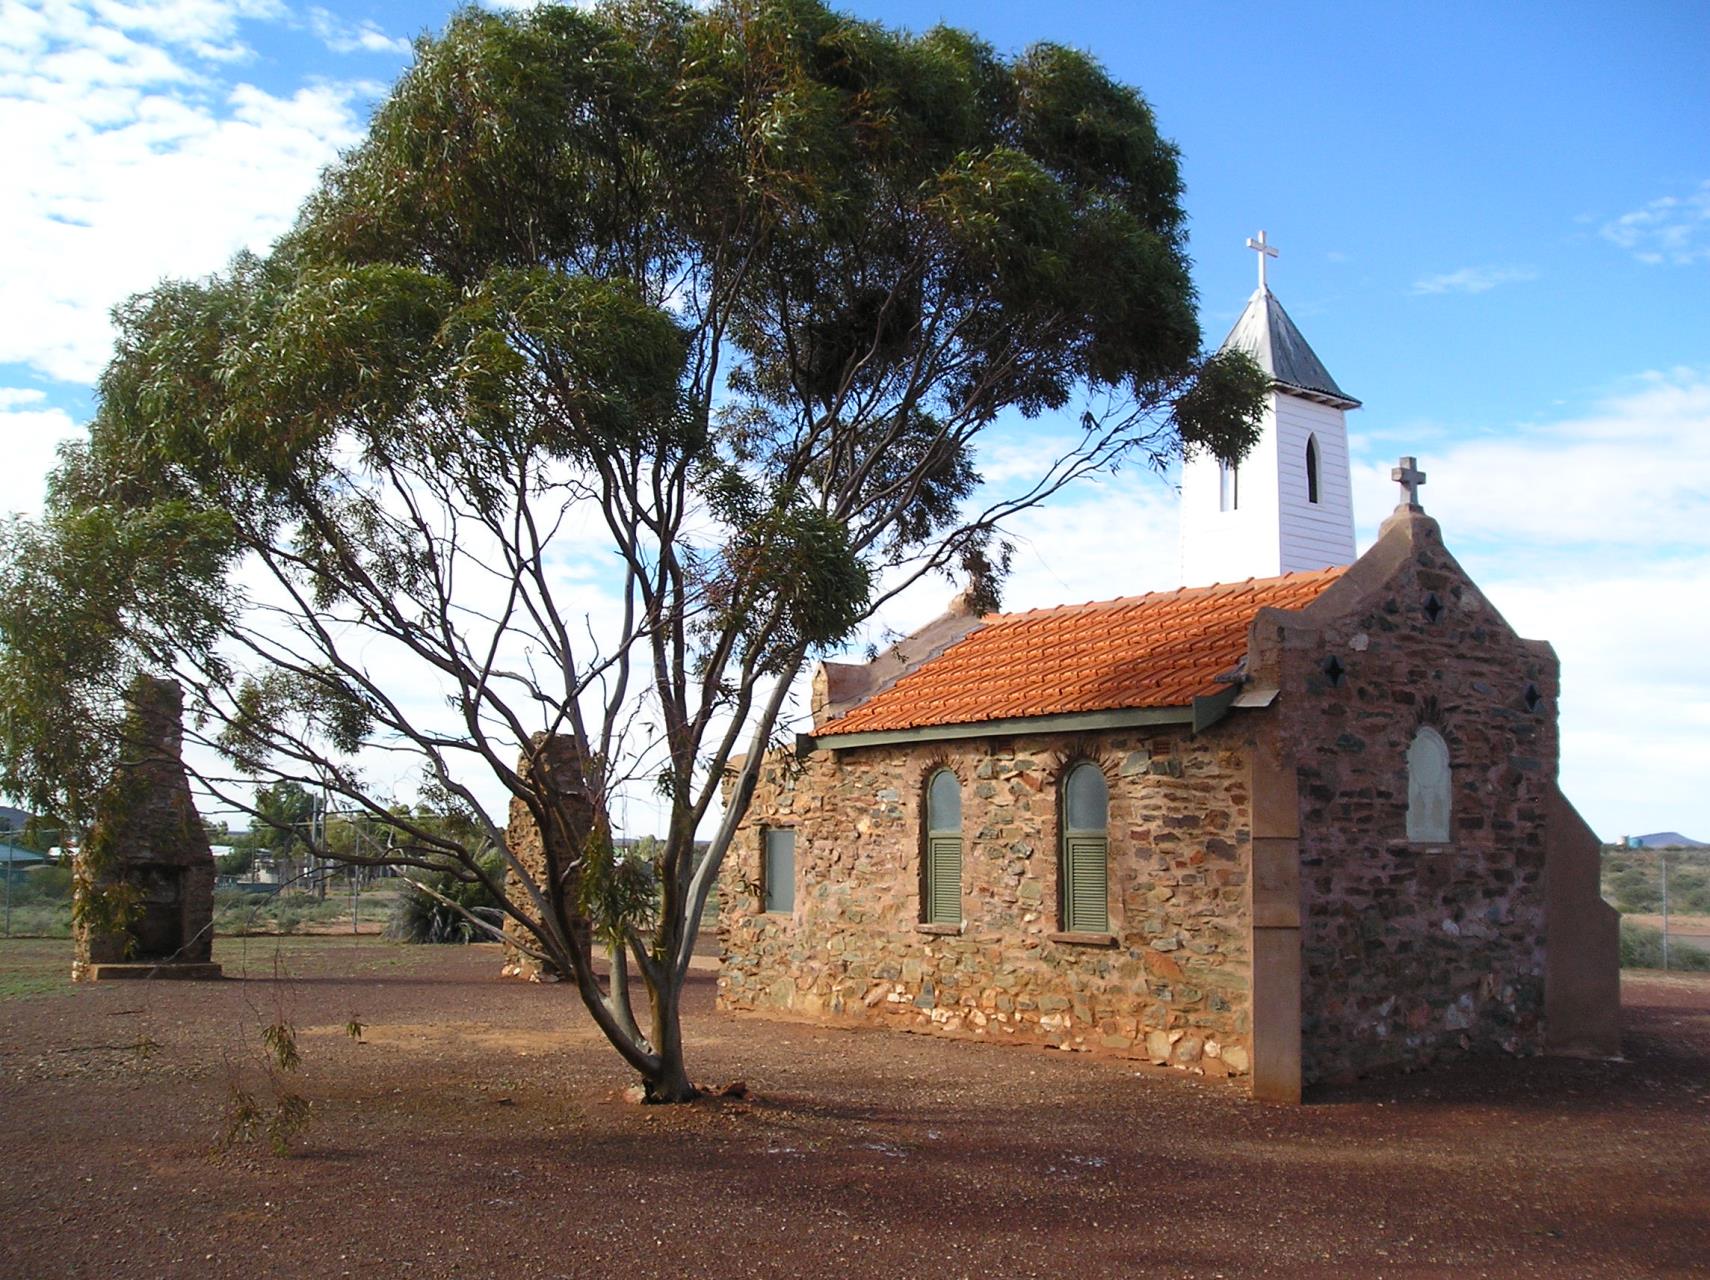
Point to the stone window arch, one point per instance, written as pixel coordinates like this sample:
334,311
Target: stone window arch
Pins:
1083,871
941,863
1428,787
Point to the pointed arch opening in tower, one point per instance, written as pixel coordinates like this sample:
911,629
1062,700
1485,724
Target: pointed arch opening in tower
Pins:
1312,468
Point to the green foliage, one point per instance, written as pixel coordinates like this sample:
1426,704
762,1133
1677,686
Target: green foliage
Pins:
1641,948
43,884
89,597
739,286
422,917
1632,881
280,1041
616,891
278,1113
797,560
235,863
41,919
274,1120
1209,415
239,912
284,813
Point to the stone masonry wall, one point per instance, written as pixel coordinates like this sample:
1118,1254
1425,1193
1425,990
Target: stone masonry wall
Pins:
552,763
144,885
1170,986
1413,951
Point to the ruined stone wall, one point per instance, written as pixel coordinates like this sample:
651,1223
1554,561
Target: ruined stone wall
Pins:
1416,951
144,883
552,762
1170,985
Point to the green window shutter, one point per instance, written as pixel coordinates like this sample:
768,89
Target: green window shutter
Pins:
943,879
1086,884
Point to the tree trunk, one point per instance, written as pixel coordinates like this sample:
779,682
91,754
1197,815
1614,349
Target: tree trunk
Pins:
670,1083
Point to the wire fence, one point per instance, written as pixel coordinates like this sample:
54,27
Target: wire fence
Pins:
1663,896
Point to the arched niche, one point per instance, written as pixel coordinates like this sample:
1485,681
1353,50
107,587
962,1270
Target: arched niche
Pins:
1428,787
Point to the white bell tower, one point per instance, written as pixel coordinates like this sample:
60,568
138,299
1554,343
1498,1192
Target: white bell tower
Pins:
1287,505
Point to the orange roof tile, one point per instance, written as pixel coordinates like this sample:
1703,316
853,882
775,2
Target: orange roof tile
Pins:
1158,650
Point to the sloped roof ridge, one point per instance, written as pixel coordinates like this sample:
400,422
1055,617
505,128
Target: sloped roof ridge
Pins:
1158,650
1174,593
1265,331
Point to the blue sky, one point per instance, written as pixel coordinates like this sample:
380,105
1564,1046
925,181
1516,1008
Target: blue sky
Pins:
1494,223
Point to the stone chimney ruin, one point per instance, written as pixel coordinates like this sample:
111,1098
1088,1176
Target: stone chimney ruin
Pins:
143,893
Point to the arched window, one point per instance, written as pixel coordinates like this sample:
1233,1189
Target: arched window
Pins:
941,868
1084,874
1428,787
1312,468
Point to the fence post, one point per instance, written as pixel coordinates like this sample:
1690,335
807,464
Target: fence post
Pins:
1662,855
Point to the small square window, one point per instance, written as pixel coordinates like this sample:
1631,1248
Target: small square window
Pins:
778,874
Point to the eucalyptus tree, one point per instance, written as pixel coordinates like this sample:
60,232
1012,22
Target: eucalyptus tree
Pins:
637,356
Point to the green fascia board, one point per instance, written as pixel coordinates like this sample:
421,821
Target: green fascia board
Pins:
1201,714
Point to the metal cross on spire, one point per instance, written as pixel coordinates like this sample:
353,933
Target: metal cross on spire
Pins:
1409,477
1263,248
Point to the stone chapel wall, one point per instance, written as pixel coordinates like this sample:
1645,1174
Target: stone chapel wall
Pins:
1173,988
1417,950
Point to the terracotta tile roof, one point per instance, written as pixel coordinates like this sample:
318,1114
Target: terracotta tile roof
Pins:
1158,650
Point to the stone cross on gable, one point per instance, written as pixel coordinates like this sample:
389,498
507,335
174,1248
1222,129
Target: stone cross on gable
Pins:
1409,477
1263,248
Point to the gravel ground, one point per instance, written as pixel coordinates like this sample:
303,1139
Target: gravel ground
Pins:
478,1129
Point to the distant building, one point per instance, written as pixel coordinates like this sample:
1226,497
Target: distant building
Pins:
14,858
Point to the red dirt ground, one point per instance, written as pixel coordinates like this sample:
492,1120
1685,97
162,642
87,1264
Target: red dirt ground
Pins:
477,1130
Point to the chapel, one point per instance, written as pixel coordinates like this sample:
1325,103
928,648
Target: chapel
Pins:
1296,821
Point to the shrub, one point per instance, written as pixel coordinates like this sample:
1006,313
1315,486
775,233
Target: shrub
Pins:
235,863
49,919
1641,948
420,917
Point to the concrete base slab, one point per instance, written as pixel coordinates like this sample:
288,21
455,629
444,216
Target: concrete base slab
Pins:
184,972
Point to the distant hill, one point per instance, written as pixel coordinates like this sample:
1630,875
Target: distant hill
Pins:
12,819
1666,840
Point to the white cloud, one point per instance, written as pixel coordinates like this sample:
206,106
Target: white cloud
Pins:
1473,280
132,159
1630,475
1593,532
1670,229
1106,536
197,24
29,441
344,37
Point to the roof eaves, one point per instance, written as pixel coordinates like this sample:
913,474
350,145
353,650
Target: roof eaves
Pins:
1201,713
